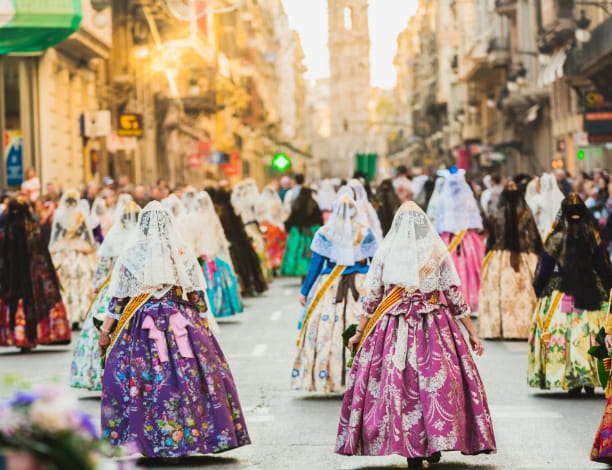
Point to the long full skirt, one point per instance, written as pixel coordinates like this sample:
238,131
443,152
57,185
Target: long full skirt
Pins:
259,245
276,243
559,350
467,258
507,299
53,329
602,447
414,390
223,292
167,390
75,270
297,255
86,367
320,365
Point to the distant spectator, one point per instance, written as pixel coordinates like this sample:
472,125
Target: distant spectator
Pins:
402,184
490,196
563,181
285,185
31,185
140,196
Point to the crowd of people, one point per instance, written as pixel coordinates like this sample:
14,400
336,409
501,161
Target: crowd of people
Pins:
388,274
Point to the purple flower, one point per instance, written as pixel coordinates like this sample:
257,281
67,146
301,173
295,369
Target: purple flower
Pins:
88,425
24,398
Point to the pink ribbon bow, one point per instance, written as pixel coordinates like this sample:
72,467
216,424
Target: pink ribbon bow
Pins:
179,326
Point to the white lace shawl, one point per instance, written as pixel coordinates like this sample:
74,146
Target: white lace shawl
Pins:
412,256
156,258
343,239
457,208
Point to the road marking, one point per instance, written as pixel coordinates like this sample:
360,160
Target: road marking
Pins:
259,350
523,412
276,315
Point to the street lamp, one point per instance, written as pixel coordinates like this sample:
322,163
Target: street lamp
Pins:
582,28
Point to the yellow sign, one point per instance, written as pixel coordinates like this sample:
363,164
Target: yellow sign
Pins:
130,125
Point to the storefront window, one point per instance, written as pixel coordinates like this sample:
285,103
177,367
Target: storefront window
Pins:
16,119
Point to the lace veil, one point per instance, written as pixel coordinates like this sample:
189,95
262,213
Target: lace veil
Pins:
326,195
120,234
343,239
363,205
270,208
206,232
244,199
412,255
122,201
71,218
551,198
434,200
156,258
457,208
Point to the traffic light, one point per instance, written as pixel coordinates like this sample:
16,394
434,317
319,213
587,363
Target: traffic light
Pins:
281,162
581,154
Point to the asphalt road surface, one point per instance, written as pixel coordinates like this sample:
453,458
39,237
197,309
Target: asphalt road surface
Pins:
292,430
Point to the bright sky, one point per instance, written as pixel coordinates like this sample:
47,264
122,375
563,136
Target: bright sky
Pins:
387,19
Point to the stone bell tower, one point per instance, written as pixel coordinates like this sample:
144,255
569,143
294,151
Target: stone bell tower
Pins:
349,51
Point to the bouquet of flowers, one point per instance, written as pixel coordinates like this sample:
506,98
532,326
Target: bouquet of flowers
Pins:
48,423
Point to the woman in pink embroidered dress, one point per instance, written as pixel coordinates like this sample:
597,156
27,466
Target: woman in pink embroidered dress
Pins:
414,389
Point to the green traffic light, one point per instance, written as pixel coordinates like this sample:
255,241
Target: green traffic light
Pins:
581,154
281,162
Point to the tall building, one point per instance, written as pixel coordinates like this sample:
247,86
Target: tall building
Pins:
349,49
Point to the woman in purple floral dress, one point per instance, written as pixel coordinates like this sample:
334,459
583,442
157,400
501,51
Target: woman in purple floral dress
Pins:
414,389
167,389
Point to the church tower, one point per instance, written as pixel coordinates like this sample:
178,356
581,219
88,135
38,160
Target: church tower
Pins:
349,51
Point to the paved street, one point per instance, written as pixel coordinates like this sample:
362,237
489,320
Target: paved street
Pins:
297,431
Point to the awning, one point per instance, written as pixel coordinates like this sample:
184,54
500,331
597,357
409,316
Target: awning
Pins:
28,26
554,69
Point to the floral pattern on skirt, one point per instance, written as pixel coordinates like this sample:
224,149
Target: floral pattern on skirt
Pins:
86,367
297,255
53,329
414,388
173,396
507,300
320,365
75,270
223,291
276,242
563,361
602,447
467,258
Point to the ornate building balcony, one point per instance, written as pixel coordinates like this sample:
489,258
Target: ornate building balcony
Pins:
506,7
558,23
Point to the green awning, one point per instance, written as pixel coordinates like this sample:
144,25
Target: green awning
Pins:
35,25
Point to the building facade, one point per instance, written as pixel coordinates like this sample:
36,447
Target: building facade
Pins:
500,85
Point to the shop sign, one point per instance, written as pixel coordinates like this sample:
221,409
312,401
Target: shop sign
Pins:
598,116
194,160
96,123
130,125
233,167
13,152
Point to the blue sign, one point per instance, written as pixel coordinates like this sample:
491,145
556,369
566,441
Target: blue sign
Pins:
14,161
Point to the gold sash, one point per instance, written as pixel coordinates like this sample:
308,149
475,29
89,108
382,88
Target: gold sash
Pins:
102,286
456,241
335,274
134,304
391,300
551,311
